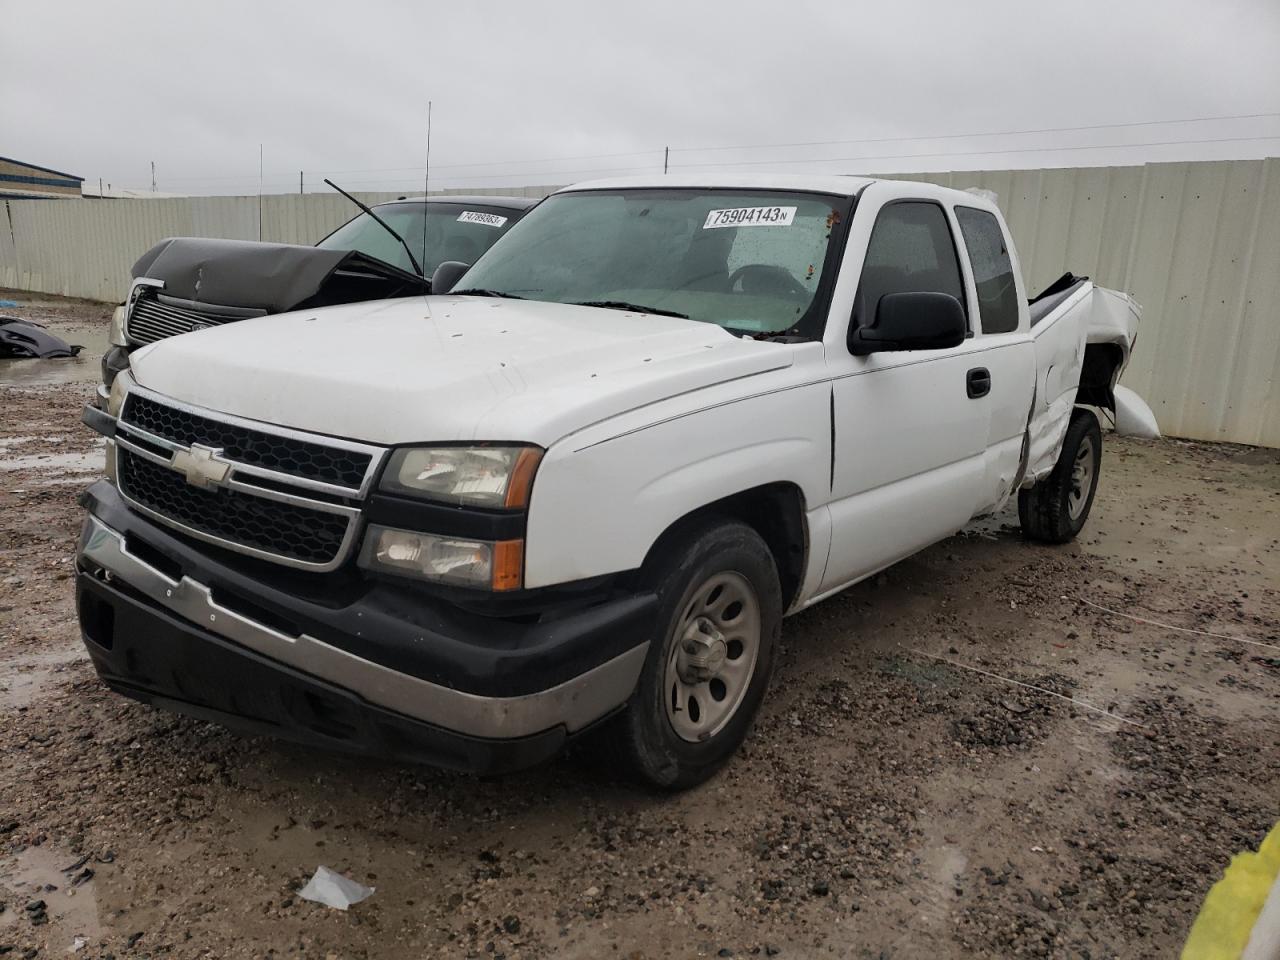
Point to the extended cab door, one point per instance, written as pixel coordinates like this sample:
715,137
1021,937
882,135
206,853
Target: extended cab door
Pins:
1006,351
910,427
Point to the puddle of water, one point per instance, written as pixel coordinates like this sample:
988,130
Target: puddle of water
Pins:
71,465
24,678
91,462
84,368
73,911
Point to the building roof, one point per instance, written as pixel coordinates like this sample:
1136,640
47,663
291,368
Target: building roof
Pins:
36,166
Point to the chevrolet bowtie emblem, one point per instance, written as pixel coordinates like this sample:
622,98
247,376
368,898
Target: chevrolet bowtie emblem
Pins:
202,466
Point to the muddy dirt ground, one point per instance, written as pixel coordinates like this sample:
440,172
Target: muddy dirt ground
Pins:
889,803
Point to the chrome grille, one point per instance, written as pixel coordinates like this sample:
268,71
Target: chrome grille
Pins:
255,488
306,459
281,529
151,320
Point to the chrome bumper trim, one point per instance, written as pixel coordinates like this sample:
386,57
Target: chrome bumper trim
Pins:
575,703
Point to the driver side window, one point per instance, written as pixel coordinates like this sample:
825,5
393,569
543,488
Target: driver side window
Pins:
910,251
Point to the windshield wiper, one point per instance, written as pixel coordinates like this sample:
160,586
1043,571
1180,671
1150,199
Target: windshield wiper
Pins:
638,308
382,223
485,293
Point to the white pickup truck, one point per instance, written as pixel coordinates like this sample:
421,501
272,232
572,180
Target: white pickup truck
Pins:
582,489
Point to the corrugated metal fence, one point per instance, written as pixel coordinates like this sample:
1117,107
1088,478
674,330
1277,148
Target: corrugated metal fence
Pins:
1198,244
85,248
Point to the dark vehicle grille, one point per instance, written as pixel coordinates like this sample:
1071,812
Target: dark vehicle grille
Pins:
152,320
298,458
287,530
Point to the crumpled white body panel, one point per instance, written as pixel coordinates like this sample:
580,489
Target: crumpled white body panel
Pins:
1091,315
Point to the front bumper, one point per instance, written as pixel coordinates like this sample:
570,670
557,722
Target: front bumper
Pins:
405,676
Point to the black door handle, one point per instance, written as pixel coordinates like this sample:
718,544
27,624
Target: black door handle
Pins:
978,382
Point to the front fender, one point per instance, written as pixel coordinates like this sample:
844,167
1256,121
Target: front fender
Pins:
598,505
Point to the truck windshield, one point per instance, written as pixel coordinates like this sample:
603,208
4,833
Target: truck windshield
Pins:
756,262
454,231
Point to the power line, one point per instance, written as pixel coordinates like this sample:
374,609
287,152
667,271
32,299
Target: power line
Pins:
763,146
976,153
997,133
442,166
390,184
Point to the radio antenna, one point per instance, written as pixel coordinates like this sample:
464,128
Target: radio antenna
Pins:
426,183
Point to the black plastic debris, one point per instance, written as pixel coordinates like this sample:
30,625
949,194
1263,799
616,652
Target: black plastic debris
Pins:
25,340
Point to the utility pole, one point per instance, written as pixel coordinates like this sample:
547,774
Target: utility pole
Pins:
666,155
259,192
153,176
99,188
300,190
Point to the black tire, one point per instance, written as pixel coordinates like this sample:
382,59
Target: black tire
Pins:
1056,508
644,735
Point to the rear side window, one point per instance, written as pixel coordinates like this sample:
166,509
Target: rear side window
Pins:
910,251
992,270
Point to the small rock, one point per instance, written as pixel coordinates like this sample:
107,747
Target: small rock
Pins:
771,951
592,892
821,888
133,939
511,924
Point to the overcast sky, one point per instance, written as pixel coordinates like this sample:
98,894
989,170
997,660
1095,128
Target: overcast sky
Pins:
597,87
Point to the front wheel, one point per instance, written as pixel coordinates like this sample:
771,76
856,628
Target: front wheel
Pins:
720,614
1056,508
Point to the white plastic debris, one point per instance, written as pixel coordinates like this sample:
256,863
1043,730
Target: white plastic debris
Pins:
78,944
334,890
1133,417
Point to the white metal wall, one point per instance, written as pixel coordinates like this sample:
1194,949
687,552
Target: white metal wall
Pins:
85,248
1198,244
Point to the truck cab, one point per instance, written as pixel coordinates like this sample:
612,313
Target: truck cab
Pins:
581,489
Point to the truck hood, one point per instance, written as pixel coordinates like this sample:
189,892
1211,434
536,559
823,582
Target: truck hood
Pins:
272,277
448,368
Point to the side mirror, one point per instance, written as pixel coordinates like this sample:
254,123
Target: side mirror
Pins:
911,321
447,275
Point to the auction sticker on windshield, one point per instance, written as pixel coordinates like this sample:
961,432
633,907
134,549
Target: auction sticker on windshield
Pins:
751,217
488,219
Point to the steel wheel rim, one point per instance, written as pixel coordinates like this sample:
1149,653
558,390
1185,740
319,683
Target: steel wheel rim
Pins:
1081,479
713,657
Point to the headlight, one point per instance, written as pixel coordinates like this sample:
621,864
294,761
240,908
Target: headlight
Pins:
122,384
493,477
116,337
470,563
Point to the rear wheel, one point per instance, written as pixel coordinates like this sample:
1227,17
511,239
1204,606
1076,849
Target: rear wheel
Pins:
1056,508
720,614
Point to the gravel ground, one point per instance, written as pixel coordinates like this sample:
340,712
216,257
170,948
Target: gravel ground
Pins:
890,803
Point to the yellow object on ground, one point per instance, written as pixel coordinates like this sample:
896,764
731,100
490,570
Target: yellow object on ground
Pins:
1230,911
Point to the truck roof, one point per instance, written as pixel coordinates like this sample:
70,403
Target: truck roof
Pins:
838,184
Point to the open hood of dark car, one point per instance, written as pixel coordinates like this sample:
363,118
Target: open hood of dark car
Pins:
275,277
